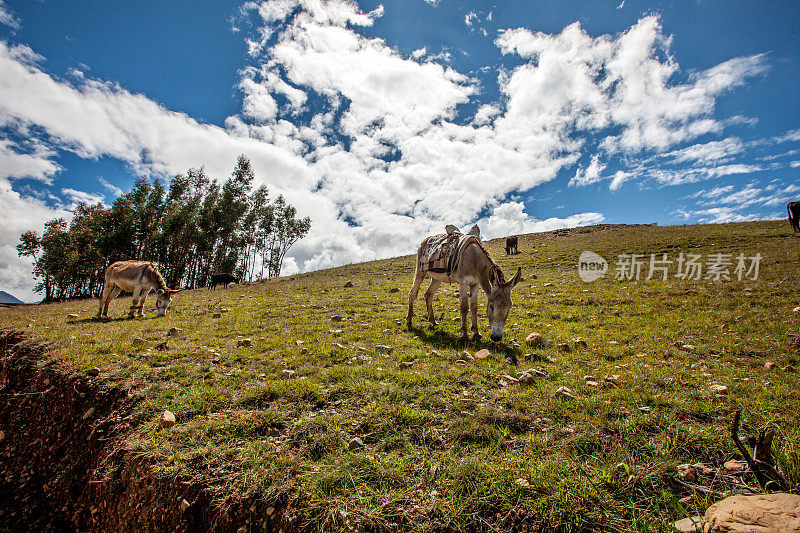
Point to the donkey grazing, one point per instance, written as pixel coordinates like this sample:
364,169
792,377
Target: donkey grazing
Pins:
473,267
138,277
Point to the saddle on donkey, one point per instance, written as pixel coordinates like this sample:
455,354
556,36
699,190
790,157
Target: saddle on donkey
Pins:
440,252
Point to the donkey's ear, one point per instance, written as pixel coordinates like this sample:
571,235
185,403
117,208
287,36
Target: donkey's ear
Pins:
516,279
175,291
494,281
160,291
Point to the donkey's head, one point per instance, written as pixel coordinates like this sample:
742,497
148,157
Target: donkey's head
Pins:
499,301
164,300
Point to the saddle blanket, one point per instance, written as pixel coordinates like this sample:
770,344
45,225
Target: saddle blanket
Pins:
440,253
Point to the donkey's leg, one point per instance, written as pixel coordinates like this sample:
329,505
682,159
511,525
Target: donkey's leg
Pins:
103,296
145,293
434,286
114,293
137,294
419,275
463,289
473,306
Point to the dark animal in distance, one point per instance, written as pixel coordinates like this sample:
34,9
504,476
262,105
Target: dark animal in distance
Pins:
794,215
222,279
511,245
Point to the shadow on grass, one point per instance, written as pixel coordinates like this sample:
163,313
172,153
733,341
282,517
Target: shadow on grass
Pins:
438,337
94,319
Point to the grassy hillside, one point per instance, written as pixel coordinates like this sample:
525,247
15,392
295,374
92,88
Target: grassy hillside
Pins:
454,446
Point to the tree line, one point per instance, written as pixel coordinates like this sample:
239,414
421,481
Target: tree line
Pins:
193,229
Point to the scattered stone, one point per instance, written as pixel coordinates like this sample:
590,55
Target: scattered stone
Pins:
461,362
184,504
522,482
612,378
393,290
719,390
526,379
789,369
613,343
303,351
769,365
688,348
348,284
565,392
336,318
591,383
645,408
796,309
383,348
174,332
580,342
72,316
693,524
286,373
588,378
216,315
93,372
534,340
564,347
548,284
299,343
734,465
335,331
167,419
162,346
244,342
482,354
687,472
406,364
757,512
89,412
340,345
355,444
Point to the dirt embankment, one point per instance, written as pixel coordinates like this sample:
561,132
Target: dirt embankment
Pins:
63,466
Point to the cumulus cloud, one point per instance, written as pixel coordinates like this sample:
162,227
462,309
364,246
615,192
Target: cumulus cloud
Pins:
21,214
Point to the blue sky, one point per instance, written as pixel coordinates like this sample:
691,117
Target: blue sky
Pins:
383,121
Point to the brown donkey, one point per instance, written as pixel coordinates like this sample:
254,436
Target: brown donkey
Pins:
474,267
138,277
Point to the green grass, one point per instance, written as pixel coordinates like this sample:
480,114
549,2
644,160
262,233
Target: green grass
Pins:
446,446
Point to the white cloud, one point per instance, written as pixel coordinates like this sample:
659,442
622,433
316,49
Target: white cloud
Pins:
113,189
727,203
590,175
710,152
21,214
620,177
7,18
16,164
78,197
509,219
622,82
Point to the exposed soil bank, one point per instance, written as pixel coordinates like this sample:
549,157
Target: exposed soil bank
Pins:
62,462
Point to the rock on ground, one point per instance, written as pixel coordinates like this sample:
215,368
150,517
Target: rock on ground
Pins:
760,513
534,340
167,419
